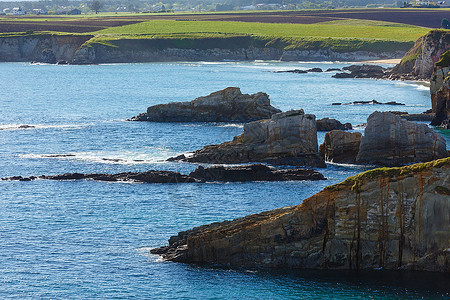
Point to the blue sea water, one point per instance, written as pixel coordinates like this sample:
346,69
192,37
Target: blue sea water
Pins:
86,239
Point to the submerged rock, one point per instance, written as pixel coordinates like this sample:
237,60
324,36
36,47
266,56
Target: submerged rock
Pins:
384,218
227,105
243,173
390,140
289,138
341,146
327,124
371,102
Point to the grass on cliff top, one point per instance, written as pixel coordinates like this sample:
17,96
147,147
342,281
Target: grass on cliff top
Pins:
39,33
355,181
351,29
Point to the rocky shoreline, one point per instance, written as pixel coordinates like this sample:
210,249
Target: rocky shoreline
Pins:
385,218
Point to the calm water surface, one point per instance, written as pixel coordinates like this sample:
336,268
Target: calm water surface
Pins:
84,239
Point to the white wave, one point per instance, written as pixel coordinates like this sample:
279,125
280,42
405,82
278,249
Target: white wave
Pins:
122,157
420,87
231,125
41,126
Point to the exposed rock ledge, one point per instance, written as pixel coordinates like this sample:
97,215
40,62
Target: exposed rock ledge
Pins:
384,218
289,138
256,172
227,105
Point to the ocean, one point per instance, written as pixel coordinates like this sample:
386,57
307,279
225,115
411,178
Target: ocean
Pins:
89,240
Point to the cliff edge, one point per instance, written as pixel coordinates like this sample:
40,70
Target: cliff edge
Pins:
384,218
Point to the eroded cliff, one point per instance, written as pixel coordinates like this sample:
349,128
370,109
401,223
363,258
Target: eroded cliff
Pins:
384,218
36,47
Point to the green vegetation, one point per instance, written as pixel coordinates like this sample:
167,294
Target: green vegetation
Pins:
319,30
339,36
357,180
445,60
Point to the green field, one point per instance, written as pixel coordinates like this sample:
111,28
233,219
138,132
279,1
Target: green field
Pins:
346,29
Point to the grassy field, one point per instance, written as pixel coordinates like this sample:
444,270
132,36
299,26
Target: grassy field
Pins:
364,30
305,30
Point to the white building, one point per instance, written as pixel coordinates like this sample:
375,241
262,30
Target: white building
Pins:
18,11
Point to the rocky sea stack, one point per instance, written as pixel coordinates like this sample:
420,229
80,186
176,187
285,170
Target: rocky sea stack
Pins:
288,138
384,218
227,105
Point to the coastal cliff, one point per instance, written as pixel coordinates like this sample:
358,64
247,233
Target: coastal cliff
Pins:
48,48
440,92
384,218
419,61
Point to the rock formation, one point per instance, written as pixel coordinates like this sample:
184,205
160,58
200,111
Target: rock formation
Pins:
327,124
288,138
362,71
384,218
341,146
227,105
256,172
419,61
440,92
371,102
47,48
390,140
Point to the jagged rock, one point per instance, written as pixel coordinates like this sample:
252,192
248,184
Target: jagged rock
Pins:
419,61
244,173
385,218
327,124
289,138
333,69
362,71
256,172
227,105
440,92
341,146
390,140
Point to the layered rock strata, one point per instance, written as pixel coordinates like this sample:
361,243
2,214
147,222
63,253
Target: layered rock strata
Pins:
385,218
418,62
440,92
390,140
227,105
288,138
256,172
341,146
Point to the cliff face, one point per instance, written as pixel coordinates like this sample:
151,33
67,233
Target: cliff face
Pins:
440,91
17,48
123,51
420,59
387,218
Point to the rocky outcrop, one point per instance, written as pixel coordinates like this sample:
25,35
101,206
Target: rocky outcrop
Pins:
390,140
362,71
289,138
227,105
385,218
327,124
419,61
256,172
46,48
440,92
341,146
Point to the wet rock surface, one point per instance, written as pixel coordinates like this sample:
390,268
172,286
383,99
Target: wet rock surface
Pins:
385,218
362,71
371,102
289,138
227,105
256,172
